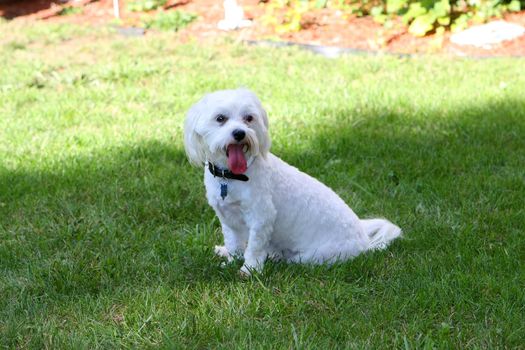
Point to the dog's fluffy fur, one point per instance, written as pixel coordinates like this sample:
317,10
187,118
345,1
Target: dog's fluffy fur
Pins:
280,212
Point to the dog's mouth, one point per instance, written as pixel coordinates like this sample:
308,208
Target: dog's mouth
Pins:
236,158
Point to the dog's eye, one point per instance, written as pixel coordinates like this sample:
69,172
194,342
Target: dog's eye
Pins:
221,118
248,118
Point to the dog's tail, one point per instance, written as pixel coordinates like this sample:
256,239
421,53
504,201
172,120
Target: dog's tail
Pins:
381,232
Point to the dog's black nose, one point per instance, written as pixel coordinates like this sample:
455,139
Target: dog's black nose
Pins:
238,134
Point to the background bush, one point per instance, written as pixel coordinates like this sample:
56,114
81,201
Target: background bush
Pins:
420,16
170,20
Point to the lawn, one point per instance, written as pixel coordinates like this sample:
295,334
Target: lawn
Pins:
106,239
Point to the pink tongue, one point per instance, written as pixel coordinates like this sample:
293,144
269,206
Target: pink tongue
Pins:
236,160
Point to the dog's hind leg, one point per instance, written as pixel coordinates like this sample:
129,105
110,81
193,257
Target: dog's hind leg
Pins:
330,252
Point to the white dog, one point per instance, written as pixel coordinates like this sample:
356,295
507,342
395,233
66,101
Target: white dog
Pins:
268,208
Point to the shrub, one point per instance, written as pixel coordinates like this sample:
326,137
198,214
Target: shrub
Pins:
171,20
145,5
70,10
421,16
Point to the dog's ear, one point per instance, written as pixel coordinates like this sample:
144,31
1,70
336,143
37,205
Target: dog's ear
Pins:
264,139
193,142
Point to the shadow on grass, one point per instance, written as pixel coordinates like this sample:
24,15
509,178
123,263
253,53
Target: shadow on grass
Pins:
137,215
10,9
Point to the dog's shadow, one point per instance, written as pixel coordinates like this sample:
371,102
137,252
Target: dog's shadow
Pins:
95,222
138,212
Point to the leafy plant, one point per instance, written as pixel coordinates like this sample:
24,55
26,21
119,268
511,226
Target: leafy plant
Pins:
70,10
286,16
172,20
420,16
423,16
145,5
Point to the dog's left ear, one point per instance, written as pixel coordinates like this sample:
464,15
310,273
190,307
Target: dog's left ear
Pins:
264,139
193,142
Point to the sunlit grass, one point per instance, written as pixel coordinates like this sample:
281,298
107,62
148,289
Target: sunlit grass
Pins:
106,239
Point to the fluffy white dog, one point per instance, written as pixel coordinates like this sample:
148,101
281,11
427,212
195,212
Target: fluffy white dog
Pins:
268,208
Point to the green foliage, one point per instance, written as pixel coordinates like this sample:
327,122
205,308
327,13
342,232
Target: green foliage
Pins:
171,20
286,16
145,5
421,16
70,10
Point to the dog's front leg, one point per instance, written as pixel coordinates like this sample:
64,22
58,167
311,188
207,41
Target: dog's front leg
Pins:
234,242
235,234
261,228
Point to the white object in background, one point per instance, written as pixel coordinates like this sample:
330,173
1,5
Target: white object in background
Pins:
233,17
486,35
116,9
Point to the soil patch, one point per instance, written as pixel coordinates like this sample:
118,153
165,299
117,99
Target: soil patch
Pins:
322,27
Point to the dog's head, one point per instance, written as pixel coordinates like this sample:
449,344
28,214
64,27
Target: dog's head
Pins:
228,128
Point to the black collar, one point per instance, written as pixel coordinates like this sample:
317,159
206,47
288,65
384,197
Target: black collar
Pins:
225,173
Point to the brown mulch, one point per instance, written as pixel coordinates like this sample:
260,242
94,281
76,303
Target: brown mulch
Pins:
323,27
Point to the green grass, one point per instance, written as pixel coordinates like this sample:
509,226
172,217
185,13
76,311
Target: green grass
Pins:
106,238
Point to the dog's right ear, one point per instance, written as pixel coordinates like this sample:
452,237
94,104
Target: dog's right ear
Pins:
193,142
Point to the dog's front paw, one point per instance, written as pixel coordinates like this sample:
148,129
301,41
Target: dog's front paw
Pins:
221,251
249,269
245,271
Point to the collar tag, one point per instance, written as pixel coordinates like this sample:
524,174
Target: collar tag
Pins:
224,190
